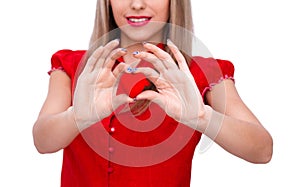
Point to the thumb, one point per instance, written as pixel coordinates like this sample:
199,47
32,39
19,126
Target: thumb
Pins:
120,100
152,96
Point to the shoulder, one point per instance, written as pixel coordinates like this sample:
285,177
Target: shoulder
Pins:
66,56
211,65
66,60
208,72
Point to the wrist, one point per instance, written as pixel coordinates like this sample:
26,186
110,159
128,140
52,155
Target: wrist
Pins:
214,121
79,121
204,119
71,117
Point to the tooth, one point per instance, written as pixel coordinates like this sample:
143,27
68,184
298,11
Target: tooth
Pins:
137,20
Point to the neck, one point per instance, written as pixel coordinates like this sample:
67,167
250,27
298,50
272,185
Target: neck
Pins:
128,58
133,45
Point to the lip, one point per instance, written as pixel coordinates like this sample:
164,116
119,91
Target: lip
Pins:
138,21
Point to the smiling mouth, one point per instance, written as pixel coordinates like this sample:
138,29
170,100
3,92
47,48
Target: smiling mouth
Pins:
138,21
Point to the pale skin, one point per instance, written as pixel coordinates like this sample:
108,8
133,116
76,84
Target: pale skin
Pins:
240,132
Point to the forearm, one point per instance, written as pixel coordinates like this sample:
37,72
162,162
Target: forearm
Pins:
244,139
54,132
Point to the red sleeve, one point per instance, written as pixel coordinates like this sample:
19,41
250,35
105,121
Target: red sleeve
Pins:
66,60
208,72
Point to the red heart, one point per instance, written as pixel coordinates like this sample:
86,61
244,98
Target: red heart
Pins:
132,84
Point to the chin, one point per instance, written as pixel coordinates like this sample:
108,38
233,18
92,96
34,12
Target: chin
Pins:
142,37
148,33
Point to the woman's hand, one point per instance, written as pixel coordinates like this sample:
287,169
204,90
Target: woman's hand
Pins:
95,93
177,92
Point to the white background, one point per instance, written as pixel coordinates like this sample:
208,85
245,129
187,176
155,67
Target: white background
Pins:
261,38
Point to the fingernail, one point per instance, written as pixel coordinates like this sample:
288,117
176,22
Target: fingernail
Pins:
117,39
131,70
135,52
171,44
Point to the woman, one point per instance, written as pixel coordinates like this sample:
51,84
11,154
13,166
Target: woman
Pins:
130,113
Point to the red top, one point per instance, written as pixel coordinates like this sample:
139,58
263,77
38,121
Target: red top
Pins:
151,149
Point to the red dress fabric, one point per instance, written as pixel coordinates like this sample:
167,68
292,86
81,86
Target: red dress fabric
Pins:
127,150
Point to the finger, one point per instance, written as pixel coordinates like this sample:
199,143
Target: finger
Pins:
150,73
93,59
119,69
178,56
107,49
157,63
162,55
118,72
134,64
152,96
114,55
121,99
